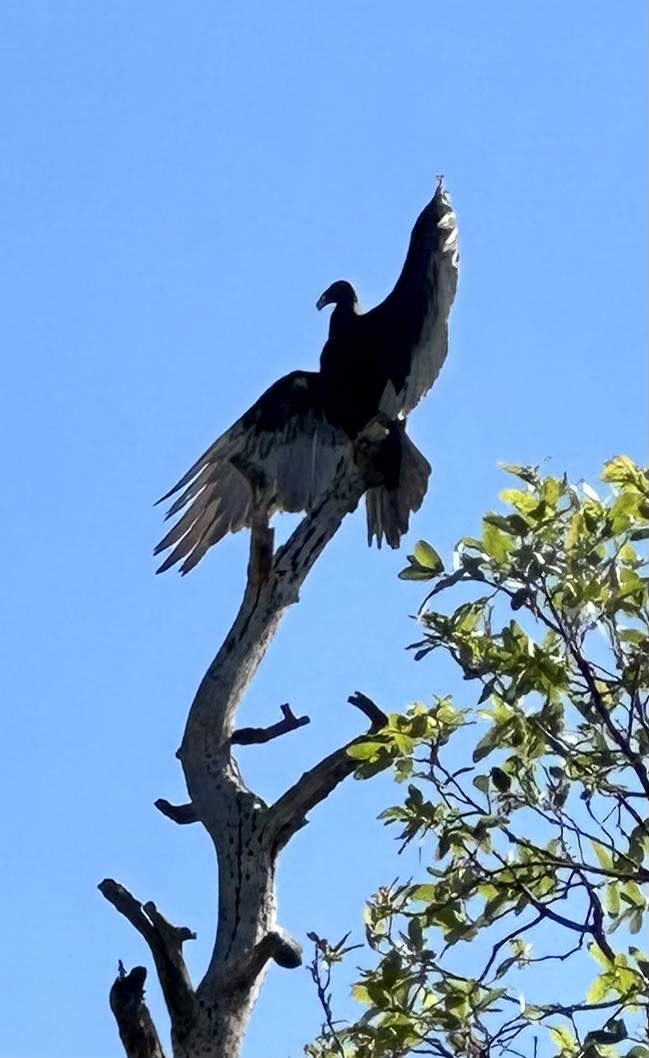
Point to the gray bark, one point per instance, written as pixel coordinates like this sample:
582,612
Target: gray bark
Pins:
210,1021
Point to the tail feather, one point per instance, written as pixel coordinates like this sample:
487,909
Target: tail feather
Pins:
389,505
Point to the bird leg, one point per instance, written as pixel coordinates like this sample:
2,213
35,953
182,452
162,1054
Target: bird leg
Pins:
366,448
262,537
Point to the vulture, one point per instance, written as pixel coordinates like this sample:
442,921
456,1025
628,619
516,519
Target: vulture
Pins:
291,445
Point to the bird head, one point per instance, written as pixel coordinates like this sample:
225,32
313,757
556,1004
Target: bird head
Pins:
339,293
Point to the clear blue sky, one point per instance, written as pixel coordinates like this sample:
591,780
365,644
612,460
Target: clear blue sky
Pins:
179,184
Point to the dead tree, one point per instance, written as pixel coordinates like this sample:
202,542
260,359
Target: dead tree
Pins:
210,1020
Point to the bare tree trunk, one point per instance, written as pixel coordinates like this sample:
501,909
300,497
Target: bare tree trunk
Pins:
210,1021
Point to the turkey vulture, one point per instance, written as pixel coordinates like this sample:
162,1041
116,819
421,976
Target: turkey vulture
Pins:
292,444
285,448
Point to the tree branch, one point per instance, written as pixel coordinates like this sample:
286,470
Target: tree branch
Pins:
623,744
248,736
182,814
242,972
321,975
136,1029
288,814
264,602
376,716
165,942
212,1019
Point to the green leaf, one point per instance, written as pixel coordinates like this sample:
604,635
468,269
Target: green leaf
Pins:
481,783
564,1039
504,966
365,750
523,502
632,635
623,471
361,995
550,491
501,780
496,543
612,899
427,557
487,743
391,968
599,956
423,893
528,474
603,855
415,934
632,894
636,921
599,989
414,573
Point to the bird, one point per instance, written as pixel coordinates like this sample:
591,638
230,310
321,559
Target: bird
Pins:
301,435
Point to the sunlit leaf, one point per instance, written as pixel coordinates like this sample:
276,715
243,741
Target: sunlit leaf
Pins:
428,557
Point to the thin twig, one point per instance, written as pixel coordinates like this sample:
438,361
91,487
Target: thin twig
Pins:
248,736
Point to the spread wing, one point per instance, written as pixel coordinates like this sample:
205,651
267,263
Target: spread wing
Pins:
408,332
283,447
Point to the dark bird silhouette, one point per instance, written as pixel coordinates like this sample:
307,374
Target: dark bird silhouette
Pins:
291,445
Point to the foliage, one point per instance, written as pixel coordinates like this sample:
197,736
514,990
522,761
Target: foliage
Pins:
529,807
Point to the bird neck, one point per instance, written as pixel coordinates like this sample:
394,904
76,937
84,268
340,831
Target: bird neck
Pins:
343,313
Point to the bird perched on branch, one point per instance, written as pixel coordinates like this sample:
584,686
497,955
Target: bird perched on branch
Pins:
301,435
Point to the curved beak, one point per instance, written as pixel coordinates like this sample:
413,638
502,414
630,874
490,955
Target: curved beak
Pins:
323,300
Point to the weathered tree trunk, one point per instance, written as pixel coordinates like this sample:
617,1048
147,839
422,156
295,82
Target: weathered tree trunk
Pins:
210,1021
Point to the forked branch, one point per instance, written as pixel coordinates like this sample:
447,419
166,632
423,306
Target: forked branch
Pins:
288,814
165,942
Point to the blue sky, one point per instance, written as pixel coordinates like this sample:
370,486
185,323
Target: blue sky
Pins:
180,183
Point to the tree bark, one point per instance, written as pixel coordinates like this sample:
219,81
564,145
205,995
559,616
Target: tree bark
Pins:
210,1021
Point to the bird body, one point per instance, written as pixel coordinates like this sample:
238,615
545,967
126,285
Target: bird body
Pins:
290,446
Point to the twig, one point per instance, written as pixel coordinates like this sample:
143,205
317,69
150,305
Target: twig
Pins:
248,736
376,716
182,814
322,988
288,814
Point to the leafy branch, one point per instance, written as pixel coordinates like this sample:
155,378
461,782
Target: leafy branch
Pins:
529,807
